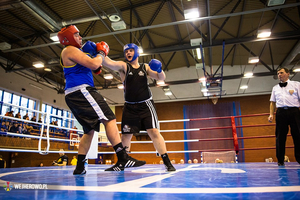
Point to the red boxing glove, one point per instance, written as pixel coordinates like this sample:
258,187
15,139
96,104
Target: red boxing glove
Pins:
98,71
102,48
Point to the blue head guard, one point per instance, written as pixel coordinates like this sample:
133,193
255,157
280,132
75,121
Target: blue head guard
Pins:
136,50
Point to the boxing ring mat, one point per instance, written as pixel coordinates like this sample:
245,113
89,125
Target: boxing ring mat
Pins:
197,181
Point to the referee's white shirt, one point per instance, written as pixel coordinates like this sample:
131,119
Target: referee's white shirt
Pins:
288,96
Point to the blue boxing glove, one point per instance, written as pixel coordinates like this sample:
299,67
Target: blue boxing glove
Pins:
90,48
155,65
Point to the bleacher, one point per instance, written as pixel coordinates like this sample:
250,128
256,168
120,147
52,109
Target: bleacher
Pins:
31,128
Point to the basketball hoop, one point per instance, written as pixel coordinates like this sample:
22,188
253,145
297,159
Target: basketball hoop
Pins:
74,139
214,99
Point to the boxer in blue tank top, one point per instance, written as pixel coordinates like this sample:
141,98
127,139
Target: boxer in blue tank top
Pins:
87,105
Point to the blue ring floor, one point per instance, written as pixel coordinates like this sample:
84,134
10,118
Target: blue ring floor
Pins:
196,181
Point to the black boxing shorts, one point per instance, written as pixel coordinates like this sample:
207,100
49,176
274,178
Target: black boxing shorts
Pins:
139,116
89,107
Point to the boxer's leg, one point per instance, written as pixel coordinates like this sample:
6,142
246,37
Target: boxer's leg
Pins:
84,146
126,141
160,146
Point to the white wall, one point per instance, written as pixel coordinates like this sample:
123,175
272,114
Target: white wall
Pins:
14,83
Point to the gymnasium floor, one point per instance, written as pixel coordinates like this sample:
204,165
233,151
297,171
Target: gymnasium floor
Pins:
190,181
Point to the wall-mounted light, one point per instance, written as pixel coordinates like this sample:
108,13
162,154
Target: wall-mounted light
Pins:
198,53
4,46
120,25
141,50
53,37
108,76
243,87
263,33
53,61
253,60
248,75
160,82
191,13
275,2
167,91
38,64
120,86
202,79
296,69
47,69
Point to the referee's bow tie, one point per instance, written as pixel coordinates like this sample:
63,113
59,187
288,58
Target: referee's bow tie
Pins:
282,84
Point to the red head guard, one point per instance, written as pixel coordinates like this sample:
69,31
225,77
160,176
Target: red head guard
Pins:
66,36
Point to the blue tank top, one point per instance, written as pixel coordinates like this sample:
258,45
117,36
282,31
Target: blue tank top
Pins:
77,75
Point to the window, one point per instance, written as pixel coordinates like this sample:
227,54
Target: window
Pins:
15,101
53,112
18,100
31,105
7,97
24,103
57,115
47,109
59,120
66,115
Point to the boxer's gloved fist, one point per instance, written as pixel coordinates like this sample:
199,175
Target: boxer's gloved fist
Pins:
98,71
155,65
102,48
90,47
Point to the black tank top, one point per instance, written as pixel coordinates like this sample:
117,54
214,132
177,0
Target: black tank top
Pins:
136,88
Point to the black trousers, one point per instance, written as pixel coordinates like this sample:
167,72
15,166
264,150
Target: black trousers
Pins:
286,118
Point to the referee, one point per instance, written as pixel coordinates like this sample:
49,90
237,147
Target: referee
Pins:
285,96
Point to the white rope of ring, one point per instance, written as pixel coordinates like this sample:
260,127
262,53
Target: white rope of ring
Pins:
112,152
48,138
103,152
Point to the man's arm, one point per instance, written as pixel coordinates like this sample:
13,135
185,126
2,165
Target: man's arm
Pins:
72,55
58,163
153,74
272,110
154,70
63,164
114,65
